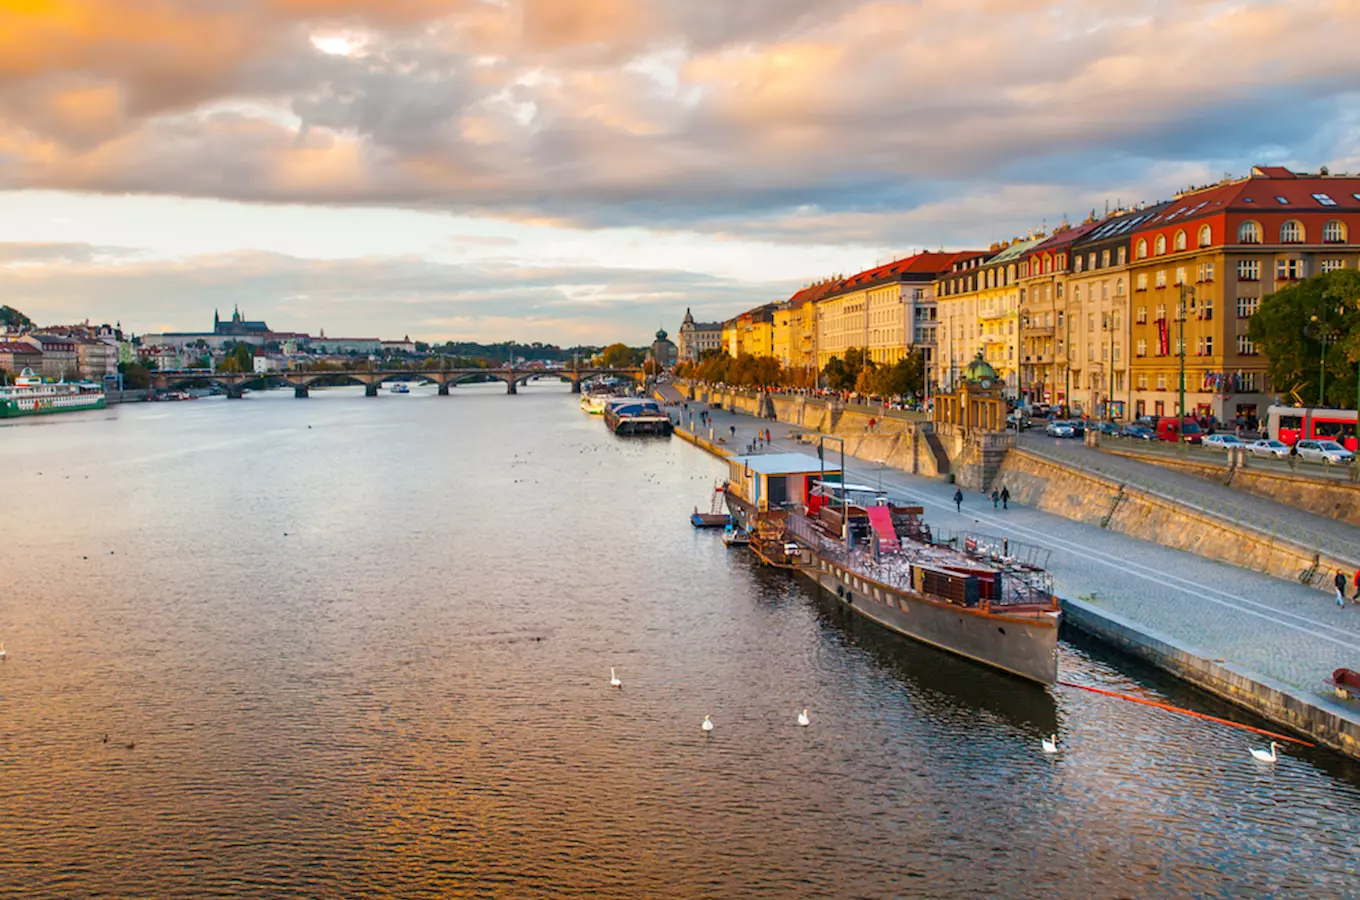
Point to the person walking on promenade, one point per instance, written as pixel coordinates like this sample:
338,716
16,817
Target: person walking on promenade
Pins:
1340,582
1005,497
1357,585
996,498
734,430
958,500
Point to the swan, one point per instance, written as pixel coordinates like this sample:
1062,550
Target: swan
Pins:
1051,744
1263,756
803,719
614,679
708,724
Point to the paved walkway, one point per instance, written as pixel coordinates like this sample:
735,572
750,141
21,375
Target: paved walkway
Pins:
1339,539
1285,631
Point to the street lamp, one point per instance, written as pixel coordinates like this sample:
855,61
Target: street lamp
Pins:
1186,292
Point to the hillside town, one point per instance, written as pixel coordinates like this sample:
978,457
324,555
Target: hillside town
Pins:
1100,318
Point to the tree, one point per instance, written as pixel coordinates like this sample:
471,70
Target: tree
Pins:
903,378
12,318
244,355
230,366
1289,330
618,356
136,377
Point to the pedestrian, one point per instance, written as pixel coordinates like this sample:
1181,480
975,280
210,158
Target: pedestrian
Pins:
734,430
1340,582
996,498
1005,497
958,500
1357,585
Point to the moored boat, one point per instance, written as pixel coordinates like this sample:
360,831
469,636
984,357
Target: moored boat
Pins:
988,599
399,388
31,396
636,415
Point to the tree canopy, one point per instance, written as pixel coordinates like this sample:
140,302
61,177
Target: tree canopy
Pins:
12,318
620,356
1290,327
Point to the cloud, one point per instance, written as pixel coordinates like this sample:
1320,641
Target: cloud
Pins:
489,300
862,120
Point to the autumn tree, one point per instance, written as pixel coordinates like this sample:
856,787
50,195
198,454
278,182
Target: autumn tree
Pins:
1293,325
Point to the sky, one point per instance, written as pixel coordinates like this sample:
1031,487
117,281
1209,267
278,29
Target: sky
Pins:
582,171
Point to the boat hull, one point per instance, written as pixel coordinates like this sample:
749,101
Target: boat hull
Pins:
1025,646
13,410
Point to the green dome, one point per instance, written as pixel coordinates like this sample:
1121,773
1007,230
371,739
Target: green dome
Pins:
979,369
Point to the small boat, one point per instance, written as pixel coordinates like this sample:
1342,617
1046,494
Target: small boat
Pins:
736,537
400,388
1346,683
709,520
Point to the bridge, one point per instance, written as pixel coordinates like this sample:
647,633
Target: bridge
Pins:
302,380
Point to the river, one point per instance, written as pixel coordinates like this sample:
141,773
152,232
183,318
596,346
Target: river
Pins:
355,646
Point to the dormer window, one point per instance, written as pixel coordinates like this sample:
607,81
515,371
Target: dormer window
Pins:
1180,241
1205,236
1249,233
1141,252
1283,201
1334,232
1161,245
1291,232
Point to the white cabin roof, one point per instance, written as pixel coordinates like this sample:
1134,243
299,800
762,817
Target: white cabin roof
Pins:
784,464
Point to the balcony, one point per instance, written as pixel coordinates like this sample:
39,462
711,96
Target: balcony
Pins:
992,314
993,339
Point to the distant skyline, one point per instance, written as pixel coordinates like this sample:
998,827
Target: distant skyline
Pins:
581,171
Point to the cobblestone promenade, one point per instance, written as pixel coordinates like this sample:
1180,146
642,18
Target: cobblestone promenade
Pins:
1285,631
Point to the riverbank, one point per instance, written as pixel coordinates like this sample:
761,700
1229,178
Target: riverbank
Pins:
1258,642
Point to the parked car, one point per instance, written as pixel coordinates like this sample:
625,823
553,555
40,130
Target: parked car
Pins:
1138,432
1018,420
1222,442
1188,430
1277,449
1108,428
1329,452
1060,429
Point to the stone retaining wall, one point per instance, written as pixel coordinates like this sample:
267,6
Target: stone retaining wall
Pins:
1324,497
1097,500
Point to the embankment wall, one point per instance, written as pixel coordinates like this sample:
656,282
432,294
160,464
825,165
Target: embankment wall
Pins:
1097,500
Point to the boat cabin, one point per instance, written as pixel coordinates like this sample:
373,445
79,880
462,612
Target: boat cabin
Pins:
778,480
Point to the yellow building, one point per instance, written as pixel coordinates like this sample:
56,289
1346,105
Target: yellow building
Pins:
979,310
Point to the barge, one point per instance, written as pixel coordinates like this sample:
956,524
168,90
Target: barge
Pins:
31,396
984,598
631,415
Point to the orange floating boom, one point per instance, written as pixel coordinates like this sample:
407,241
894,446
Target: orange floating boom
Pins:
1184,712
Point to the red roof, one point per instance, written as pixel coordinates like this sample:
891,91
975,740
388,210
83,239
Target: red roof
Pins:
929,264
17,347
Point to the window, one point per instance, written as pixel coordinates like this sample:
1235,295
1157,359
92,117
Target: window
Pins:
1104,258
1141,252
1142,347
1291,232
1076,263
1206,272
1180,275
1334,232
1205,236
1142,315
1249,233
1142,384
1119,287
1206,308
1248,270
1245,347
1161,382
1289,269
1324,200
1090,351
1060,291
1161,312
1180,241
1104,353
1161,245
1205,346
1091,322
1115,320
1332,265
1161,278
1142,282
1091,260
1104,290
1076,293
1122,255
1283,201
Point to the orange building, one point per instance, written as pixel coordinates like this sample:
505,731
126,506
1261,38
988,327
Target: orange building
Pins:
1201,265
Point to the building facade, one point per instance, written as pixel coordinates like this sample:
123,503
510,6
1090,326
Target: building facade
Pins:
59,358
15,356
698,338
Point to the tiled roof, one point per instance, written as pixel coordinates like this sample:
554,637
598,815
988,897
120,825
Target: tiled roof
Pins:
922,267
17,347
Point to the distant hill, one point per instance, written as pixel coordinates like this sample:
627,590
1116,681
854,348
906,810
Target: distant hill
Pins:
12,318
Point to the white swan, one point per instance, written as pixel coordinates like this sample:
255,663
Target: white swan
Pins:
803,719
614,679
708,724
1051,744
1263,756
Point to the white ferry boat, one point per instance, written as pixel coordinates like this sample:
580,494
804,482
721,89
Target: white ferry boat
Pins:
31,396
